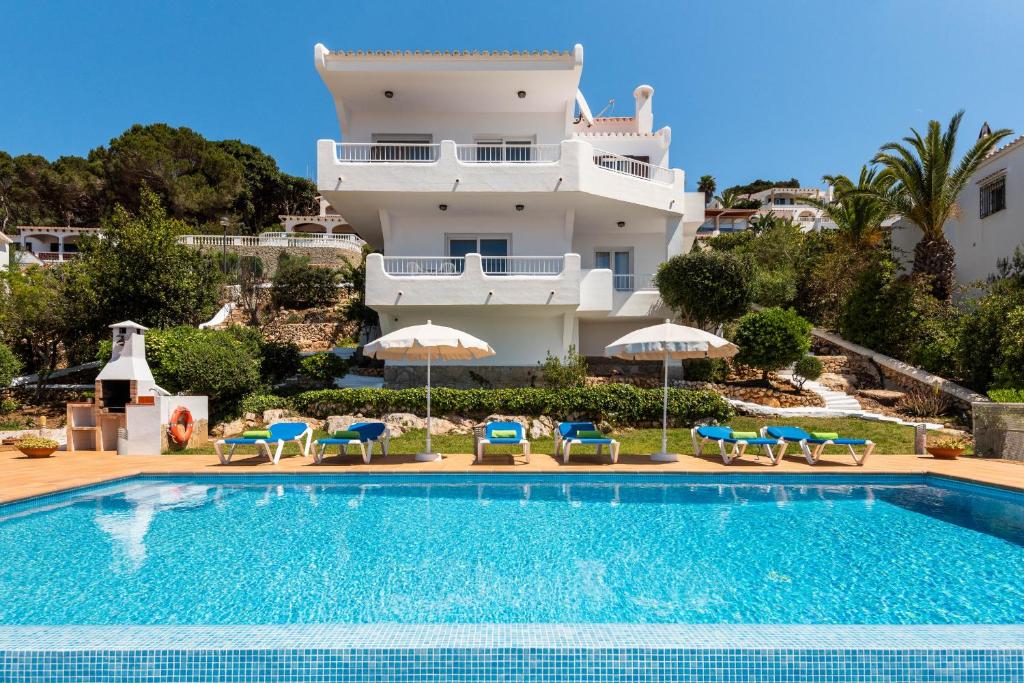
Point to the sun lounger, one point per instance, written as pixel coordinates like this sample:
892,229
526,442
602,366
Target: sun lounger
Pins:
567,435
724,435
370,433
280,434
807,440
490,438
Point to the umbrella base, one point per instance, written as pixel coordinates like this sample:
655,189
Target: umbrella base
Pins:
428,457
665,457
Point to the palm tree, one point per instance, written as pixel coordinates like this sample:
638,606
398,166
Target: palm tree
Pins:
925,189
707,185
858,210
728,198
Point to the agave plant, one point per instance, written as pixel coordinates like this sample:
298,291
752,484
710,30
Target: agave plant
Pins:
858,210
925,188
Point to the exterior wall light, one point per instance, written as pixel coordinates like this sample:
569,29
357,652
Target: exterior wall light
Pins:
621,224
389,94
443,207
521,94
520,207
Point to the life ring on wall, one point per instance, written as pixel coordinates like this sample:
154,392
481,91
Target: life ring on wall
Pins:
180,427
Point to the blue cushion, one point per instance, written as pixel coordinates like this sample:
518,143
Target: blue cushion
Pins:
369,431
241,441
569,429
503,426
709,432
514,442
287,431
759,441
788,433
592,441
841,442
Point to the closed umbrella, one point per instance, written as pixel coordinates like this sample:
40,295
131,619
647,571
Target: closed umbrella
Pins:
426,343
667,342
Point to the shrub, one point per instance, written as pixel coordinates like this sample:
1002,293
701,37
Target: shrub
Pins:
772,339
622,404
1010,370
10,366
8,405
323,367
705,287
774,287
1007,395
35,442
257,403
705,369
297,284
979,336
922,402
728,241
280,361
221,364
807,368
572,372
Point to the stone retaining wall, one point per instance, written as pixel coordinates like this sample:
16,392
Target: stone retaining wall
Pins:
318,256
999,429
878,370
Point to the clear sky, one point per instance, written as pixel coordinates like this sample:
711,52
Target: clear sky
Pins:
751,88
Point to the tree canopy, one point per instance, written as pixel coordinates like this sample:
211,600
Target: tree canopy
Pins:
196,179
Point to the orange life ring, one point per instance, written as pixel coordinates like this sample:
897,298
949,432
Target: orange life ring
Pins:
180,427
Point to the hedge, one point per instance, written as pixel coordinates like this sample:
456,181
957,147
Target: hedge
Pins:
621,404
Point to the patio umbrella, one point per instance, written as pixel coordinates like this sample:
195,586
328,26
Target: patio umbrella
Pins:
667,342
428,342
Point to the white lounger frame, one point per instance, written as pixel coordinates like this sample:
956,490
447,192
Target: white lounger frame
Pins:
365,447
264,446
813,455
613,449
483,441
739,447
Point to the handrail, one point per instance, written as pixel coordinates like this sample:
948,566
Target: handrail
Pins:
424,266
386,152
633,167
633,282
522,265
351,242
484,153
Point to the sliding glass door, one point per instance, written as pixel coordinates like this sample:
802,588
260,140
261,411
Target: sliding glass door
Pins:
620,263
493,251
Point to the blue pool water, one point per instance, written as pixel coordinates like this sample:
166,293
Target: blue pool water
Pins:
514,549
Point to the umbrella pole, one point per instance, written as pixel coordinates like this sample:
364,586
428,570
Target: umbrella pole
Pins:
428,401
664,455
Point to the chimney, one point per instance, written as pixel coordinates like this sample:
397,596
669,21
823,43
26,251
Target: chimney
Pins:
644,116
985,131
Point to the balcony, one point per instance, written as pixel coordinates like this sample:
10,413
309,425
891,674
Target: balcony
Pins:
277,239
352,175
472,280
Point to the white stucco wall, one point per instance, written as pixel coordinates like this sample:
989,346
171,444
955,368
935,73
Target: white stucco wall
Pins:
424,233
648,248
980,242
462,127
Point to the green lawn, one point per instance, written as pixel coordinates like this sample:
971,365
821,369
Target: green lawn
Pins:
889,438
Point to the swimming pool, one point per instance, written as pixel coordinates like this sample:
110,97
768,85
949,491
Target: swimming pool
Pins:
545,577
509,549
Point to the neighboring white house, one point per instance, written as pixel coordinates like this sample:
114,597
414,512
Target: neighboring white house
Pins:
326,222
991,222
501,205
50,244
719,221
788,203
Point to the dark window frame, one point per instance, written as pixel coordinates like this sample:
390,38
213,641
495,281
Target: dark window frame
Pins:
992,197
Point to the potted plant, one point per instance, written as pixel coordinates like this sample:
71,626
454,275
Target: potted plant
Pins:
950,447
36,447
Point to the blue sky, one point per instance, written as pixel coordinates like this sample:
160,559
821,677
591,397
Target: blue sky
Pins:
750,88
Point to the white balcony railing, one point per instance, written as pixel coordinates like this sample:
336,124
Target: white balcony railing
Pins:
424,266
55,256
482,153
276,239
634,167
522,265
386,152
633,282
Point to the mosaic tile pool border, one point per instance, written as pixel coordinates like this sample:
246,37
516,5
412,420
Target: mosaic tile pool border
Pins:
515,652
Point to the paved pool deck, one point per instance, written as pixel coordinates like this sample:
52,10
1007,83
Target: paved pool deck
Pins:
22,477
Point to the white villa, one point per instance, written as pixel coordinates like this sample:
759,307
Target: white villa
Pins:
40,244
500,204
5,251
326,222
991,222
787,203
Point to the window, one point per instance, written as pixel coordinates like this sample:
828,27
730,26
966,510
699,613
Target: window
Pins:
493,250
993,197
504,149
620,263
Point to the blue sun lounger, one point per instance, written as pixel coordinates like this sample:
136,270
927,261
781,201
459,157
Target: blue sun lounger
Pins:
806,440
369,434
489,439
724,435
280,434
567,436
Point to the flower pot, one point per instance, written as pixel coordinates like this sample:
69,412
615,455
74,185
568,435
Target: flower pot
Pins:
945,453
37,452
